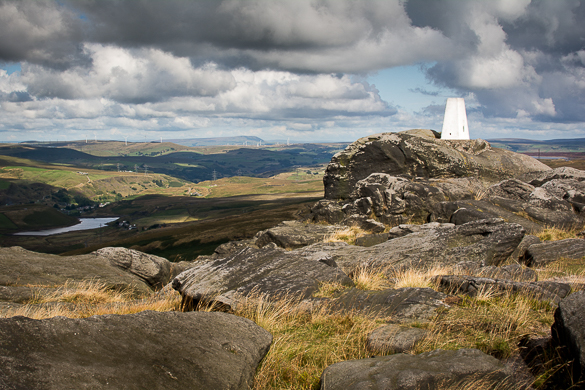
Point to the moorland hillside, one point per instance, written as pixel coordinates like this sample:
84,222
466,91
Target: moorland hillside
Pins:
464,271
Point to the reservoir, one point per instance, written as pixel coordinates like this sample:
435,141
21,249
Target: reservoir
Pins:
85,224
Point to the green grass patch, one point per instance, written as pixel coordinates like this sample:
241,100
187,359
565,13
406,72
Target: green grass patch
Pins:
6,223
182,252
47,218
4,185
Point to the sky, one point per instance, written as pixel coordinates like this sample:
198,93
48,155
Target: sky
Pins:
308,71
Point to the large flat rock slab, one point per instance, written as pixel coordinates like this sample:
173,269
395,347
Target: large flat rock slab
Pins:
430,370
148,350
408,304
463,211
485,242
154,270
545,291
20,267
267,271
295,234
541,254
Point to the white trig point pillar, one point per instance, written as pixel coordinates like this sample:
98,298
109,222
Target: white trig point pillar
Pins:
455,121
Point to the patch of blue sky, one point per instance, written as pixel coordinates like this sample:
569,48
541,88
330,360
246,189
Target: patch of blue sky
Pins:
407,87
10,67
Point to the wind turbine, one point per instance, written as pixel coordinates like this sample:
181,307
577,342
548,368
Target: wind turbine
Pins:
126,141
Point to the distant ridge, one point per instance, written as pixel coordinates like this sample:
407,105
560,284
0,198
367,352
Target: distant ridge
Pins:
570,145
534,141
239,140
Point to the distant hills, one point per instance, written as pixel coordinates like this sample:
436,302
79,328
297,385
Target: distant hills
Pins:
574,145
216,141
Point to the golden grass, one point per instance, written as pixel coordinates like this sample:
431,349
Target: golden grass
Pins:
571,271
305,341
85,292
329,289
412,277
85,299
555,234
493,324
348,235
366,278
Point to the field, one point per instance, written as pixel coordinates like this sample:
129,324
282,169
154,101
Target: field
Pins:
171,216
533,147
177,228
192,164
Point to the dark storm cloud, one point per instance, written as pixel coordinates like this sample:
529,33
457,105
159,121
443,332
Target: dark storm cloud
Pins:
300,35
41,32
549,26
520,58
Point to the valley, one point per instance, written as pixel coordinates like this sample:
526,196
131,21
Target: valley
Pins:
168,206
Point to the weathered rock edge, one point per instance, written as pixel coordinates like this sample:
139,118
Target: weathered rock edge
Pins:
428,370
569,330
148,350
406,154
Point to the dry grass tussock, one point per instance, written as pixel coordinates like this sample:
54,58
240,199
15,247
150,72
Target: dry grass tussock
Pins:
88,298
555,234
571,271
348,235
329,289
306,340
490,322
381,278
367,278
421,277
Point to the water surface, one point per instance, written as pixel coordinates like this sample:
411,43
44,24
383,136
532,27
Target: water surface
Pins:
84,224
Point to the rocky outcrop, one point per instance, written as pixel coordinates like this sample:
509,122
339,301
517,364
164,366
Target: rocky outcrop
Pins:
546,291
394,339
294,234
392,199
512,271
399,177
154,270
542,177
148,350
20,267
267,271
400,154
463,211
407,304
557,203
538,255
568,330
486,242
432,370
